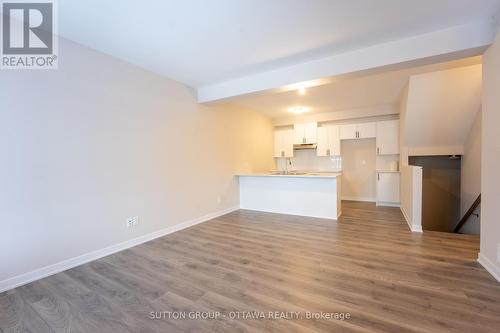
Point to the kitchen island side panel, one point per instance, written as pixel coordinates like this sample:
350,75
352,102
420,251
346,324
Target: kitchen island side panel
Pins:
314,197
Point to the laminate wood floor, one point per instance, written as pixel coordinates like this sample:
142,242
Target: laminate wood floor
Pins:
246,263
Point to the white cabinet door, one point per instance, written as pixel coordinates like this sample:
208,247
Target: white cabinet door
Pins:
278,144
287,143
388,187
283,143
328,141
305,133
388,137
299,134
358,131
366,130
348,131
334,140
323,142
311,132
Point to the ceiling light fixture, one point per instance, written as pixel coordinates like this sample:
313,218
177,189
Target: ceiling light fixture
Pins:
298,109
302,91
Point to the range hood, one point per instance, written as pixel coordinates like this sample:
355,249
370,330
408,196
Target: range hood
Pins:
305,146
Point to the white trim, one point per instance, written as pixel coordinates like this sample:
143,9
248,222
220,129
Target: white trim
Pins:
490,266
354,198
413,228
416,228
43,272
388,204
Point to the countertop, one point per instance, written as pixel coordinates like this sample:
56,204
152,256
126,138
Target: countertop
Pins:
292,175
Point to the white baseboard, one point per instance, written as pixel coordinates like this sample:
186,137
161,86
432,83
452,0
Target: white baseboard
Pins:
388,204
416,228
40,273
365,199
490,266
413,228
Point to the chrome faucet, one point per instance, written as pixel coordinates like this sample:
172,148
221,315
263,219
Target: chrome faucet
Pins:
288,160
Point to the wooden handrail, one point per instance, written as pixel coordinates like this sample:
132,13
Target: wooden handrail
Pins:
468,214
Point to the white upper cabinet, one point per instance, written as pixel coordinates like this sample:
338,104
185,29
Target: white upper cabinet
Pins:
358,131
322,148
311,132
388,137
283,143
348,131
328,141
305,133
367,130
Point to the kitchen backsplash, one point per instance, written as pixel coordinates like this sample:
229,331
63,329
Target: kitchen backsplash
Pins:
307,160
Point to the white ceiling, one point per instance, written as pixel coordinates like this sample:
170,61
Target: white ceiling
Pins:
343,94
198,42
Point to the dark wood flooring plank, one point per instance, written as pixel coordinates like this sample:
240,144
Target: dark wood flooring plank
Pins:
16,315
368,264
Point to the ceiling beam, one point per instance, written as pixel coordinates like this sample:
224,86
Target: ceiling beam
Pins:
449,44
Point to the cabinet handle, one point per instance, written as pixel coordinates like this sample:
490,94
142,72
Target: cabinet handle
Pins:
328,152
378,176
303,140
378,151
282,154
357,134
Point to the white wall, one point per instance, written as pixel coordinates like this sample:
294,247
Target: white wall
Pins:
358,170
440,110
490,161
98,140
411,196
470,178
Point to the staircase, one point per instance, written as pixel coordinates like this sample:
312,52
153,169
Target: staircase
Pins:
468,214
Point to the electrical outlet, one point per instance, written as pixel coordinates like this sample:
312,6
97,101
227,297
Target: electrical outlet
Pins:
132,221
219,199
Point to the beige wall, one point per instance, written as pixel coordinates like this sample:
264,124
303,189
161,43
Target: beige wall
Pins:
470,181
440,110
88,145
358,169
490,160
403,148
386,111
